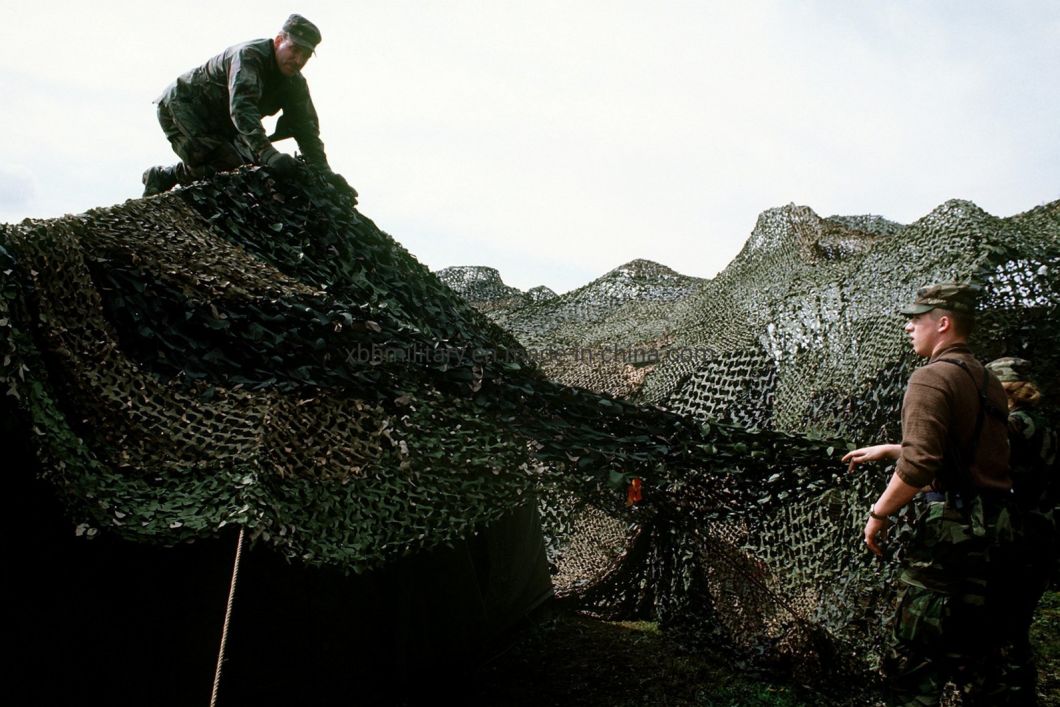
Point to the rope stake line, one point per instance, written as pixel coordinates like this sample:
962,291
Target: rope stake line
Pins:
228,620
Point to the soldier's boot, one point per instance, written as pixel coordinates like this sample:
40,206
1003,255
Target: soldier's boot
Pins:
159,179
186,175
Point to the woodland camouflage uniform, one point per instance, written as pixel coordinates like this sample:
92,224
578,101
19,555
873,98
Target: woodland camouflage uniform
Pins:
1037,490
212,114
1033,443
217,108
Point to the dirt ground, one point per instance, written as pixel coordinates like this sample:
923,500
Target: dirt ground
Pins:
568,659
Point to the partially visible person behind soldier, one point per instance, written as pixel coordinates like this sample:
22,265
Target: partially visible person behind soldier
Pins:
212,115
949,623
1036,487
1032,441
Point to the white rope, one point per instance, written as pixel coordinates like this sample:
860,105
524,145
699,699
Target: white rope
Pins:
228,619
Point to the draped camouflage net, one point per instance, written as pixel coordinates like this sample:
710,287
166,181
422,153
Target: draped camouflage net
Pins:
258,353
250,352
800,335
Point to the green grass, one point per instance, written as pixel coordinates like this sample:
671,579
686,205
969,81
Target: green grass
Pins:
574,660
570,659
1045,637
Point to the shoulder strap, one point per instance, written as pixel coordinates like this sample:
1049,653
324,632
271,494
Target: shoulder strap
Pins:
985,406
984,400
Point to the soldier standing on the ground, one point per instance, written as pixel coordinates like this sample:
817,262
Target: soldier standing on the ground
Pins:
212,114
949,622
1036,488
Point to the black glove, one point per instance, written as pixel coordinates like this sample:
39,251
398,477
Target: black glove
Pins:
283,164
339,182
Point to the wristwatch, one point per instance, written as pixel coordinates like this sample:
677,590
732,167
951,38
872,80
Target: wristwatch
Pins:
875,515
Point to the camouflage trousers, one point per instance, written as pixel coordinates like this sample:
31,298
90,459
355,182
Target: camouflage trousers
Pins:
202,148
961,615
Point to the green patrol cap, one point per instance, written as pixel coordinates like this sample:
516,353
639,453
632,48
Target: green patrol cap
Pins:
1010,369
302,32
954,296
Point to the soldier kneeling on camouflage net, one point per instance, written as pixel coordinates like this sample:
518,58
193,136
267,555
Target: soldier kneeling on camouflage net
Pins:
958,575
212,115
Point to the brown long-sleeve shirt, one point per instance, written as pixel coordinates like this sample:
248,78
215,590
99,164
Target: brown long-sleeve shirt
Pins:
938,416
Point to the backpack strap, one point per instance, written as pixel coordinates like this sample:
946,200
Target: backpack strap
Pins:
963,484
984,400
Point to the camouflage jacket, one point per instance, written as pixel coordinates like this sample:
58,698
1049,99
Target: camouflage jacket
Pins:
1034,449
231,92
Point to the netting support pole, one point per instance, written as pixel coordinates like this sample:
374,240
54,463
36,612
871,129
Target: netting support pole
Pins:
228,620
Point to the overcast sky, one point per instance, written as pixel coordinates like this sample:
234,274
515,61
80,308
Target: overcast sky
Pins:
557,140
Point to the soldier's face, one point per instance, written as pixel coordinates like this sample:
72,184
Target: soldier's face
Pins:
923,332
290,57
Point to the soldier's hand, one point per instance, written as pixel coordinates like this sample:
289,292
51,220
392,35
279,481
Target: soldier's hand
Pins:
875,453
339,182
875,534
283,164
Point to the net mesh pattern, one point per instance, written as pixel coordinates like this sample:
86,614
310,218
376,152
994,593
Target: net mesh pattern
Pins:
260,353
798,335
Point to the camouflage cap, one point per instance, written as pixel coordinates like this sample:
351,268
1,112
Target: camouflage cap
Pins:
302,32
954,296
1010,369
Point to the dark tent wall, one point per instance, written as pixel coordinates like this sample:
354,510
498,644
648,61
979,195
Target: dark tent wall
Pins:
106,621
414,629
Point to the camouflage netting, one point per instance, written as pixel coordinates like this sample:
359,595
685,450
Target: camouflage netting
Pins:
798,335
605,336
259,353
484,288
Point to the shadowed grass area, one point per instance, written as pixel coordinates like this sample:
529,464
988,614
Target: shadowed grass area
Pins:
1045,637
570,659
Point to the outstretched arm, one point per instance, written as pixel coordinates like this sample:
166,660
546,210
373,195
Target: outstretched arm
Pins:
245,82
897,494
299,120
894,497
875,453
